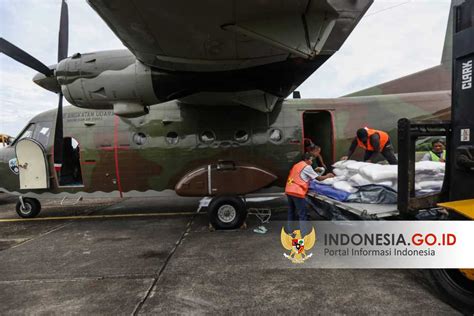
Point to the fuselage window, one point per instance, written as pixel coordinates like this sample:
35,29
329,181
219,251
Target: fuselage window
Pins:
241,136
275,135
139,139
172,138
207,137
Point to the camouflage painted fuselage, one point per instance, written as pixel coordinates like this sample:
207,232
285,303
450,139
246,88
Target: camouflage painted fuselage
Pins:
148,155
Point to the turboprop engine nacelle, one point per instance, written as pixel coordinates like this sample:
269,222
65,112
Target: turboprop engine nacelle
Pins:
107,80
117,80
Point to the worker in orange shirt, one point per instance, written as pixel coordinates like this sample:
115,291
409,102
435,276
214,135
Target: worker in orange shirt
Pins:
296,188
373,141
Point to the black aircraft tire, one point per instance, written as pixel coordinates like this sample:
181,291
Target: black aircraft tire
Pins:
227,212
454,288
33,207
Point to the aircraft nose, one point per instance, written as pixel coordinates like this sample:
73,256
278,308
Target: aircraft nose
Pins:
48,83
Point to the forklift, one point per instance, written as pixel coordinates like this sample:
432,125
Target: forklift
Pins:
456,200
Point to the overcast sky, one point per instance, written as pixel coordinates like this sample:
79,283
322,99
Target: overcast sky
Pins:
395,38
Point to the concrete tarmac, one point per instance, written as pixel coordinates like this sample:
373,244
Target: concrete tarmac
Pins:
156,256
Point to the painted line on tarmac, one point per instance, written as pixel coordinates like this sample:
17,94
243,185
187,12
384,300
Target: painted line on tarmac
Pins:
63,218
55,228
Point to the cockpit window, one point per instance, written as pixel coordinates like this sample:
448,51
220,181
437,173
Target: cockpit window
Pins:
27,132
43,132
40,131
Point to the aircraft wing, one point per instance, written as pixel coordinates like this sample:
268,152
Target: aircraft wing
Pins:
236,37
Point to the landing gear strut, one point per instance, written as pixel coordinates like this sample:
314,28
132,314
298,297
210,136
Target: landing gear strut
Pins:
28,207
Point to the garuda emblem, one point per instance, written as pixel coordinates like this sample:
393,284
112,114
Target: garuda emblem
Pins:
298,245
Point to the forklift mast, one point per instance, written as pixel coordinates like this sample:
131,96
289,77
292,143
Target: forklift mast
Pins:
459,132
460,165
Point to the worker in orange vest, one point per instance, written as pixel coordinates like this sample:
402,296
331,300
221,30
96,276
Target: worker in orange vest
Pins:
373,141
296,188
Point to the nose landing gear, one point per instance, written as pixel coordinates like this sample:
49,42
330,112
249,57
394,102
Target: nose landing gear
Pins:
28,207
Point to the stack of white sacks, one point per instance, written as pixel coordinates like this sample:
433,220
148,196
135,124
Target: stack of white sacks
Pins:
352,174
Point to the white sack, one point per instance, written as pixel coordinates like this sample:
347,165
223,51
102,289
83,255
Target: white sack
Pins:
351,174
377,173
429,177
417,187
342,164
344,186
340,172
330,181
338,164
359,180
356,165
426,185
432,167
385,183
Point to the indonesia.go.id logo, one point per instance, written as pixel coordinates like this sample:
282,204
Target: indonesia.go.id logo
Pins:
298,245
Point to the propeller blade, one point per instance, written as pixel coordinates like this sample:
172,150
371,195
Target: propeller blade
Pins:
23,57
63,40
58,136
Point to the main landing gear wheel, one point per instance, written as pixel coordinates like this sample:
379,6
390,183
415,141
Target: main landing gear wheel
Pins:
455,286
227,212
31,208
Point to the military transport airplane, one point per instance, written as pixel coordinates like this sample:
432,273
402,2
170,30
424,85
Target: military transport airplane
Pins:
200,110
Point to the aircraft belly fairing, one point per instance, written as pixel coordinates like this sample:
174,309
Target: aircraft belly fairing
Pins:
223,178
